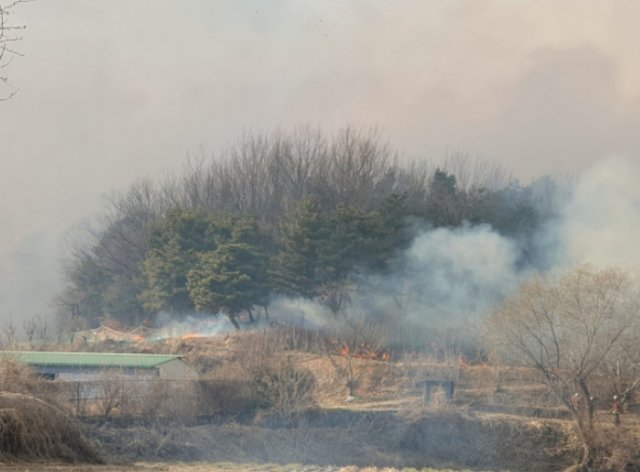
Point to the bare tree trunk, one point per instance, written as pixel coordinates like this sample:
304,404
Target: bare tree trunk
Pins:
586,436
234,321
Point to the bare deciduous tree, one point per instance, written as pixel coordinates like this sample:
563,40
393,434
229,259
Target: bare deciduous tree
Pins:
10,34
9,335
29,329
476,172
35,330
358,160
572,329
112,391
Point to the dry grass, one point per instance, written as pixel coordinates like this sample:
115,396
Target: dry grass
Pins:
341,438
18,378
385,423
31,429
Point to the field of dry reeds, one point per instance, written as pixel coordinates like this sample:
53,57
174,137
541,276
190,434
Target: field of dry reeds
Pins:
285,401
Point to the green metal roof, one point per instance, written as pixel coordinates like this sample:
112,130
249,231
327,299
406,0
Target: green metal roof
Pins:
89,359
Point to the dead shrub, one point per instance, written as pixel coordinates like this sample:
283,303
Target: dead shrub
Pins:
180,400
113,390
155,398
147,398
225,396
296,338
156,441
615,449
279,385
31,429
17,377
352,345
226,390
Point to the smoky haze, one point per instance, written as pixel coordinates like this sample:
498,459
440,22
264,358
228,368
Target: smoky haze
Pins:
454,276
601,223
112,91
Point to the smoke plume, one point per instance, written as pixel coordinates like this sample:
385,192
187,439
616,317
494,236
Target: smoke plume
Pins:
450,277
455,273
601,223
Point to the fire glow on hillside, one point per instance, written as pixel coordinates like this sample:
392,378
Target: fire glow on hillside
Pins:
188,328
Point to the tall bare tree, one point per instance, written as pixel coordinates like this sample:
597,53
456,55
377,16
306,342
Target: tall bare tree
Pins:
571,329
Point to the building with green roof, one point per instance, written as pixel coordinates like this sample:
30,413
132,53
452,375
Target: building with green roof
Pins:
88,366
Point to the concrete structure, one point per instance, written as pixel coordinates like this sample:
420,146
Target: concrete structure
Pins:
432,386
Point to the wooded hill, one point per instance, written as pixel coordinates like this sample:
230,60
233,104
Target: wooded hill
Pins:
298,213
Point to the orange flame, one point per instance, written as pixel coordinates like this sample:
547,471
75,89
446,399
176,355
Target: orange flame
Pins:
363,352
188,336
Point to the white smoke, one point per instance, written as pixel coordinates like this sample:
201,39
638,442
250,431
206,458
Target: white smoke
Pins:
601,223
449,275
169,328
456,273
300,311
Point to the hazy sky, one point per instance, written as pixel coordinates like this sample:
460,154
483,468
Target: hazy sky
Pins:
114,90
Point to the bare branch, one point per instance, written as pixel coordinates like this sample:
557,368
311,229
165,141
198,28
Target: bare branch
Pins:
9,34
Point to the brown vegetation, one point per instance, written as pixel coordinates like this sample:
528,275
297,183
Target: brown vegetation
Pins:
32,429
280,396
297,391
344,437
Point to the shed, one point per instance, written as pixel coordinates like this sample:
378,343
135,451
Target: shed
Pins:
88,366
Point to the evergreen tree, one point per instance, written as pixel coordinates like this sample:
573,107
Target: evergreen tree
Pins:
175,244
445,203
297,264
229,280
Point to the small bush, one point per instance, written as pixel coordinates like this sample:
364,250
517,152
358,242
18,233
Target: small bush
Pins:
278,384
17,377
281,386
225,396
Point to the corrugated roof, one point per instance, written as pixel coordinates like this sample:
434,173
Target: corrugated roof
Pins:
89,359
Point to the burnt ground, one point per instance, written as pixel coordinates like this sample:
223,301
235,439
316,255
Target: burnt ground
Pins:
342,438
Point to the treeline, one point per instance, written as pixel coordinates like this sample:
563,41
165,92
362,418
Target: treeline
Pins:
298,213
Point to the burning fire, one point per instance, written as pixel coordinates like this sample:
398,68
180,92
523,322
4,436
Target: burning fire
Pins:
194,335
363,352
